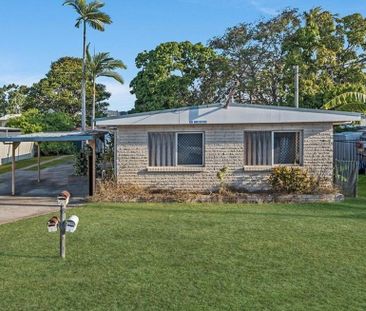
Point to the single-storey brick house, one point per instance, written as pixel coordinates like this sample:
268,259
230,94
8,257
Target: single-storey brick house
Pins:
185,148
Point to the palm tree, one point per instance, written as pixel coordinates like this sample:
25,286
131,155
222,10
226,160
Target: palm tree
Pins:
349,101
102,65
89,14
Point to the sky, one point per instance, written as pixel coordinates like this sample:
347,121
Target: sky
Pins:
38,32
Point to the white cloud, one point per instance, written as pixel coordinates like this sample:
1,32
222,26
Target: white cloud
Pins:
263,8
121,98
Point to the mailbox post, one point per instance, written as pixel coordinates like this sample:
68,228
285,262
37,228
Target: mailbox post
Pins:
62,230
65,225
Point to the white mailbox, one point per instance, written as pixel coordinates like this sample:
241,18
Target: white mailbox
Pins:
72,223
52,224
63,198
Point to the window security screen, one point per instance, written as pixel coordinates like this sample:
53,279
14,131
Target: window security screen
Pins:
190,148
286,148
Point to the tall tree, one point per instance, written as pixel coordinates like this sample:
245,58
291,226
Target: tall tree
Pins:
102,65
59,91
255,59
330,52
12,98
88,14
170,75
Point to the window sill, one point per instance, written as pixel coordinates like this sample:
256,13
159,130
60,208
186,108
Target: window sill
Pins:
186,169
267,168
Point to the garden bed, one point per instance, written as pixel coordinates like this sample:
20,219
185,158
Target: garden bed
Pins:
112,192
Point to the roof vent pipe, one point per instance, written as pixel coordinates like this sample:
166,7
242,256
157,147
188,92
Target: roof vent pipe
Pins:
296,100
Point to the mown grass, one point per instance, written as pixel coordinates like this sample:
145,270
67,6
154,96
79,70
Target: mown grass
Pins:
191,257
6,168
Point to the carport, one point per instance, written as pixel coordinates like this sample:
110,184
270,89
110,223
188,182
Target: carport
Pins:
90,137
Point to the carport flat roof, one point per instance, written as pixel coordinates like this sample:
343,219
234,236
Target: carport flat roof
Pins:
54,136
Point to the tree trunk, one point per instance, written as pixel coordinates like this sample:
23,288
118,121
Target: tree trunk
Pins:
94,99
83,82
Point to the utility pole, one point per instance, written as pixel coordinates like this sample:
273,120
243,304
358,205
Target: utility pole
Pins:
296,70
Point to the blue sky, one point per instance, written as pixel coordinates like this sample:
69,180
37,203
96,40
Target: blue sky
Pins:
37,32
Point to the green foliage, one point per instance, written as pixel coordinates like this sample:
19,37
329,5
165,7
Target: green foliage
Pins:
29,122
255,60
170,75
221,175
12,98
287,179
102,65
349,101
33,121
330,53
60,90
81,163
89,13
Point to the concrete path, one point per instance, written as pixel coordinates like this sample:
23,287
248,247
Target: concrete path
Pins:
16,208
33,198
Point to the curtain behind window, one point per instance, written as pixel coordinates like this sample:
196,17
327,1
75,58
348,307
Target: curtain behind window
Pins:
258,148
161,149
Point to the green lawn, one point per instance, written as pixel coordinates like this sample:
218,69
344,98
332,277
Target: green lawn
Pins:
191,257
6,168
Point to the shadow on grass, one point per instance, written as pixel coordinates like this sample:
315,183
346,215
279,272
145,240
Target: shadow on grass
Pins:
353,212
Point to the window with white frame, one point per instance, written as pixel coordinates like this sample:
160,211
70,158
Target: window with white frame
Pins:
272,147
172,149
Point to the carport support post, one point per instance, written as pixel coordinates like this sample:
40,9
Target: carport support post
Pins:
39,160
13,167
93,163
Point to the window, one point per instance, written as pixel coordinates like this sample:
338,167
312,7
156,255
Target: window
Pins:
162,149
286,147
171,149
258,148
268,148
190,150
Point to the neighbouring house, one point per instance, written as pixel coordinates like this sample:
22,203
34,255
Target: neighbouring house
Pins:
4,119
24,151
184,148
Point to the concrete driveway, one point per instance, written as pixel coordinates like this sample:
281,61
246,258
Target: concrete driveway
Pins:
33,198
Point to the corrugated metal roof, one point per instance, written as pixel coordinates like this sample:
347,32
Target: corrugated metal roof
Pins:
234,114
54,136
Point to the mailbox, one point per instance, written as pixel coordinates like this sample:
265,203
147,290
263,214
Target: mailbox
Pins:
72,223
53,223
63,198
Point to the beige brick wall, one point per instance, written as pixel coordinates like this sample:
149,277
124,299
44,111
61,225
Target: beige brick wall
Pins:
224,145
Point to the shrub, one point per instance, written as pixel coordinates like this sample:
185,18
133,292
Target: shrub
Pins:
286,179
81,163
221,176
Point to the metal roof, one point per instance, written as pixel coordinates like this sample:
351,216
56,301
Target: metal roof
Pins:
54,136
234,114
8,129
